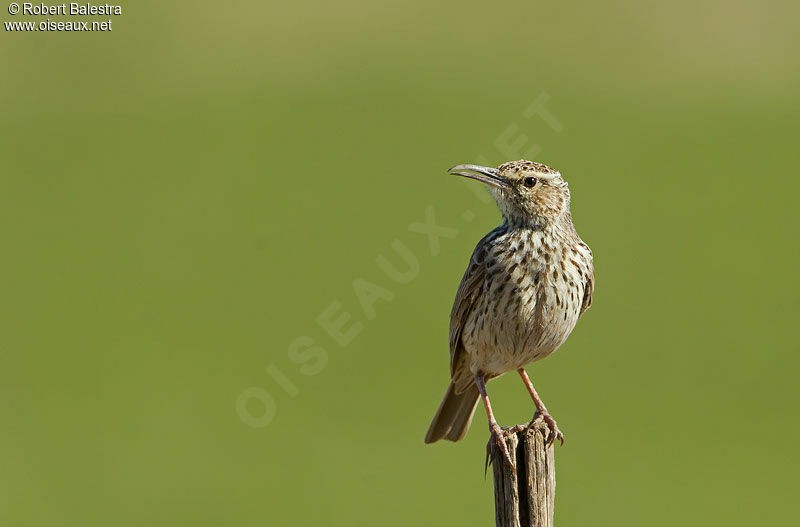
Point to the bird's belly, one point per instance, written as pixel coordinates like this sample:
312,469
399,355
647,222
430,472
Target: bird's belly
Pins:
500,338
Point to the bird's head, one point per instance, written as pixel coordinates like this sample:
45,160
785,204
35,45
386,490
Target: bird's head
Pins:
526,192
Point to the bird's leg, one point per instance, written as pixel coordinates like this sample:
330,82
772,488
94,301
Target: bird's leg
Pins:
497,433
541,410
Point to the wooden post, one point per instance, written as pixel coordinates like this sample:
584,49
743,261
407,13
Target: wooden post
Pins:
525,498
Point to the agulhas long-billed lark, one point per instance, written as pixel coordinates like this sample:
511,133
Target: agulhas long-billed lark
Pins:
527,284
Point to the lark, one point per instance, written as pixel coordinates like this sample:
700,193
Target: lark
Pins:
527,284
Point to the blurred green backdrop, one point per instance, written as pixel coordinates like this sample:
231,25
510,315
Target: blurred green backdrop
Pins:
185,195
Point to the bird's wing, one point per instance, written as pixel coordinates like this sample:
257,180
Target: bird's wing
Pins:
468,291
588,290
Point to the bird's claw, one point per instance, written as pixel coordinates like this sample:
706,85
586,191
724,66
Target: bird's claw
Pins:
512,430
554,434
498,439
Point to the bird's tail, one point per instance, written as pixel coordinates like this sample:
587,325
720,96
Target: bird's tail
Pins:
454,415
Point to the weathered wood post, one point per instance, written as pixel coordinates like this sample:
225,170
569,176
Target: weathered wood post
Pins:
525,498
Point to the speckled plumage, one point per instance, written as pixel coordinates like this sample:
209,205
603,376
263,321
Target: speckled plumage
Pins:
527,284
530,298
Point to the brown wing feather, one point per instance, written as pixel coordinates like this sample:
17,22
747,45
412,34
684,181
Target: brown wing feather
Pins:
588,291
468,291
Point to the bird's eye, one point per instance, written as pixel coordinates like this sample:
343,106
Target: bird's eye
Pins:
529,182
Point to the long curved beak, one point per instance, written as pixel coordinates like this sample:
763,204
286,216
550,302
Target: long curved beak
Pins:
487,175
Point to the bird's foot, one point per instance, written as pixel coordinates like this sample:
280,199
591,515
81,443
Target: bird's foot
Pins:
498,439
512,430
555,433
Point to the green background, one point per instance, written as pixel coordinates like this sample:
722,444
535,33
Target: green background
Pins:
184,195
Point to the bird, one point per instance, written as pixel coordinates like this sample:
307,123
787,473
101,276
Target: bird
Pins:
527,284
